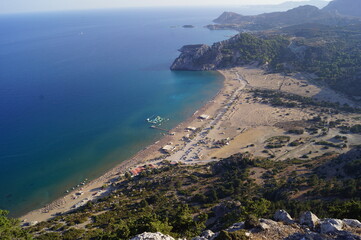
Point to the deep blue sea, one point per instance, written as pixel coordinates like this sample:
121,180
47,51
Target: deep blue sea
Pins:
76,88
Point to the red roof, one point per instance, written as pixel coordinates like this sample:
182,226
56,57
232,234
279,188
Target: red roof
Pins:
136,171
151,166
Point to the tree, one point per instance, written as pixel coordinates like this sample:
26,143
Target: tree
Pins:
128,176
237,235
259,207
10,228
73,234
184,224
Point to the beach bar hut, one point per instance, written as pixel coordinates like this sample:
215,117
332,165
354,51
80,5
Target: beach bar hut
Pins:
204,116
168,149
137,171
190,128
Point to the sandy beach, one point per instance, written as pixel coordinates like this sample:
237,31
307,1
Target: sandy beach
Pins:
94,189
237,122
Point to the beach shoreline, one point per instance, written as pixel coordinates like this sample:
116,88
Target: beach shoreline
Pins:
235,120
66,202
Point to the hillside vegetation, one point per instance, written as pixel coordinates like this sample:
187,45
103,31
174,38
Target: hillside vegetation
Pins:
333,54
183,200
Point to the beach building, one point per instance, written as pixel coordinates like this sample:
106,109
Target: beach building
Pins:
204,117
190,128
185,138
81,203
168,149
137,171
151,166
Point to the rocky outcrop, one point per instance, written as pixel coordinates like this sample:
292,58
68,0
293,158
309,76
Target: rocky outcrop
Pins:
266,224
235,227
308,227
283,216
352,223
208,234
195,57
152,236
309,219
331,225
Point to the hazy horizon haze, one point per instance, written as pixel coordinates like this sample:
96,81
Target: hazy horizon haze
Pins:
20,6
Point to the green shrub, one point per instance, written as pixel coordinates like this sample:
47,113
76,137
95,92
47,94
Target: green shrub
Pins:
251,222
73,234
10,228
237,235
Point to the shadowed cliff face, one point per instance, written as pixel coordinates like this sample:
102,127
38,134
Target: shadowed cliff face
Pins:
204,57
196,58
237,51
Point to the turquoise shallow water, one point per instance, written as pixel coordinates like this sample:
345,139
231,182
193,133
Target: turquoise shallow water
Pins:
76,88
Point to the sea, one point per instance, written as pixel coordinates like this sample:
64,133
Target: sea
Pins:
77,87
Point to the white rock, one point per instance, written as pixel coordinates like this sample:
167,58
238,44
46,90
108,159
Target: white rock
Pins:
235,227
283,216
264,226
152,236
33,223
207,234
267,224
309,219
352,223
214,236
331,225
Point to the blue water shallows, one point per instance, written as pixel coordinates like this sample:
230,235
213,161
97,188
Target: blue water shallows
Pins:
76,88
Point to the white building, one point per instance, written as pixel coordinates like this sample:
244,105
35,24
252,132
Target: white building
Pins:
204,116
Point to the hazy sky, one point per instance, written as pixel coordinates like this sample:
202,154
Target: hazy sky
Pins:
9,6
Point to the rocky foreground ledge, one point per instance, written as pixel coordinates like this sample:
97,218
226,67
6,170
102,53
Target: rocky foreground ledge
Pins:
307,227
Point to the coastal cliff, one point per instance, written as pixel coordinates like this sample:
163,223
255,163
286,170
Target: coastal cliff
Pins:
195,57
239,50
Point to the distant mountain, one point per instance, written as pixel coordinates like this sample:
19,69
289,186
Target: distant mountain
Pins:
290,4
299,15
267,8
345,7
290,17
